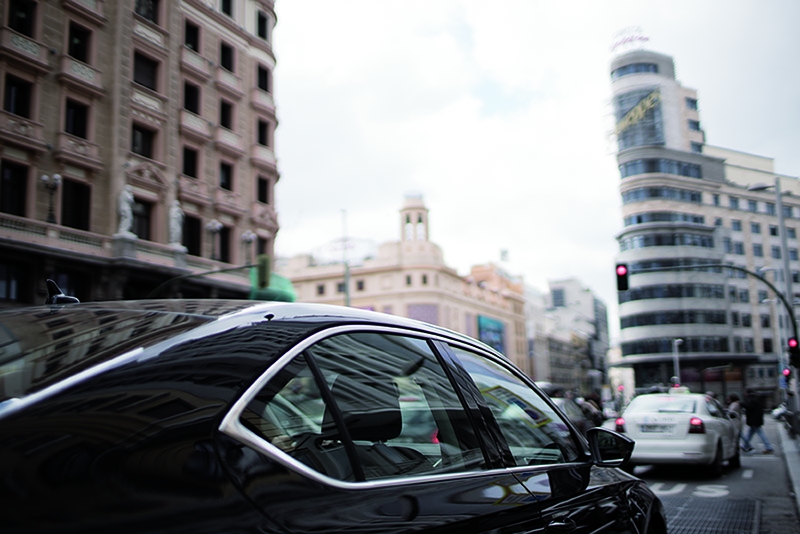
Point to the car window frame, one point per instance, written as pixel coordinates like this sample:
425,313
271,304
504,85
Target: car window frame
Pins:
232,427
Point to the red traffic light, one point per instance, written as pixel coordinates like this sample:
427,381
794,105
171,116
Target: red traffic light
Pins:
622,277
792,342
787,372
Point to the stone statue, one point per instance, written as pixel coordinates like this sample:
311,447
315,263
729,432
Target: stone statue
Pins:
125,210
175,223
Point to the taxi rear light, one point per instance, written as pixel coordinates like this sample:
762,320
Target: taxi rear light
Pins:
696,426
620,424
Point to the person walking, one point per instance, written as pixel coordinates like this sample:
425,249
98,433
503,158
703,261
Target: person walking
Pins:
754,414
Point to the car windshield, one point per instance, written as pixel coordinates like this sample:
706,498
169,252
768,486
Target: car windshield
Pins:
44,345
663,404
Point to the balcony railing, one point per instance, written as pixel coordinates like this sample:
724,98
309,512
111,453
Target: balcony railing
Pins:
80,73
23,48
22,131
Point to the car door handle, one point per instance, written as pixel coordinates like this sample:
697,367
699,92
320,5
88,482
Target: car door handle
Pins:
561,525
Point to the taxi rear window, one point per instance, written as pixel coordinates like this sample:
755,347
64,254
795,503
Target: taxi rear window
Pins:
664,404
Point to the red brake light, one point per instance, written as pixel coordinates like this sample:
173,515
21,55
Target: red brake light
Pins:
696,426
620,423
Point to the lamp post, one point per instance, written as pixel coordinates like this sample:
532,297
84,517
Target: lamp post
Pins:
51,184
676,364
248,236
214,226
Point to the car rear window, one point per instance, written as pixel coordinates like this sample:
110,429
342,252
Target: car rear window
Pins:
663,404
44,345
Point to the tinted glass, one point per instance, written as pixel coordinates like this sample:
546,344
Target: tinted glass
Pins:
663,404
532,429
380,406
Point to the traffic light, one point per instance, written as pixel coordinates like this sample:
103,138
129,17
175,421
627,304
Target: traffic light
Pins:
622,277
794,352
787,373
263,271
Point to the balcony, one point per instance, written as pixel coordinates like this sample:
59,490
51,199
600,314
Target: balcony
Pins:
262,101
22,131
195,63
78,151
264,216
229,202
229,142
263,156
195,126
230,83
193,190
21,48
82,76
91,9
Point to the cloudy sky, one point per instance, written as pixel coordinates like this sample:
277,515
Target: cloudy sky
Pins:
498,113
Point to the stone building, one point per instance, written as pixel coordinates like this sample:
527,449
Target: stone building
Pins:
136,146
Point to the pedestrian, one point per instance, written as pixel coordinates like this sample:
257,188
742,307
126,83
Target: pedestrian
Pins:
735,407
754,414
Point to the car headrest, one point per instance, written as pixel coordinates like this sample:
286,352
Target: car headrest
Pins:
370,407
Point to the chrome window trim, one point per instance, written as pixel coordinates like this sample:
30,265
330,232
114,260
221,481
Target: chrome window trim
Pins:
233,428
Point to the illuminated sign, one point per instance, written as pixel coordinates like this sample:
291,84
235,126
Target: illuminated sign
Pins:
638,111
491,331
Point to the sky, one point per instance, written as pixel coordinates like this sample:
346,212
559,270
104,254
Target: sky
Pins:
499,115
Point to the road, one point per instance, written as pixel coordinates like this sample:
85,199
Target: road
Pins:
757,498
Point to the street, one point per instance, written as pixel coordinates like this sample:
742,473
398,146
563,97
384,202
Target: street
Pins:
757,498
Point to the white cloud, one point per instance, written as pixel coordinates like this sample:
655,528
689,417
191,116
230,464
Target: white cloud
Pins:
498,114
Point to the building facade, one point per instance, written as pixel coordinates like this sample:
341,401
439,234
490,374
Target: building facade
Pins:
687,205
410,278
136,146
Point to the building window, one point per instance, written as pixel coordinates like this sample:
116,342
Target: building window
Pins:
559,298
191,36
691,103
755,228
263,190
226,57
752,205
744,295
21,16
734,318
776,253
787,212
320,289
694,125
762,295
262,245
76,119
408,279
79,40
262,28
747,320
340,287
263,78
18,96
10,282
263,133
767,344
13,188
773,230
770,208
226,6
189,162
424,279
225,244
142,211
765,320
191,98
791,233
734,203
758,250
738,248
145,71
226,176
143,141
696,147
793,254
718,221
226,114
192,235
75,204
736,225
147,9
716,199
359,285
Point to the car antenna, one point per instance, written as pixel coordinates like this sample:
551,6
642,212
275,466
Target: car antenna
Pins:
56,296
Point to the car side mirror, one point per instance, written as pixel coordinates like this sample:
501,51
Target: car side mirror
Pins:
609,448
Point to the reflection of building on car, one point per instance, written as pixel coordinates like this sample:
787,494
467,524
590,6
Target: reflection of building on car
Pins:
680,427
215,416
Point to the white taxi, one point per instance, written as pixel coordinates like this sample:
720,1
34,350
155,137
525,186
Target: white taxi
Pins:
680,427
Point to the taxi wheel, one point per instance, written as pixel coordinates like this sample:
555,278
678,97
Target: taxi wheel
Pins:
715,468
736,461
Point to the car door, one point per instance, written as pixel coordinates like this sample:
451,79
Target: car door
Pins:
546,454
365,430
723,426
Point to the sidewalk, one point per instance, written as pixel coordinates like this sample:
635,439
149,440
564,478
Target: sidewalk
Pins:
790,449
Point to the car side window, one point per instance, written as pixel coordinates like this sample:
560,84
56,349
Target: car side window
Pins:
714,408
367,406
534,432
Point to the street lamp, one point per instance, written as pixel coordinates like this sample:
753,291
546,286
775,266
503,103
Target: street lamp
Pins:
51,184
248,236
676,365
214,227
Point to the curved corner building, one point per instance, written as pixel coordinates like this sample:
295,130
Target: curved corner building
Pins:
686,205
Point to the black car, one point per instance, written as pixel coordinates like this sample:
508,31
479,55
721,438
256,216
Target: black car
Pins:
217,416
